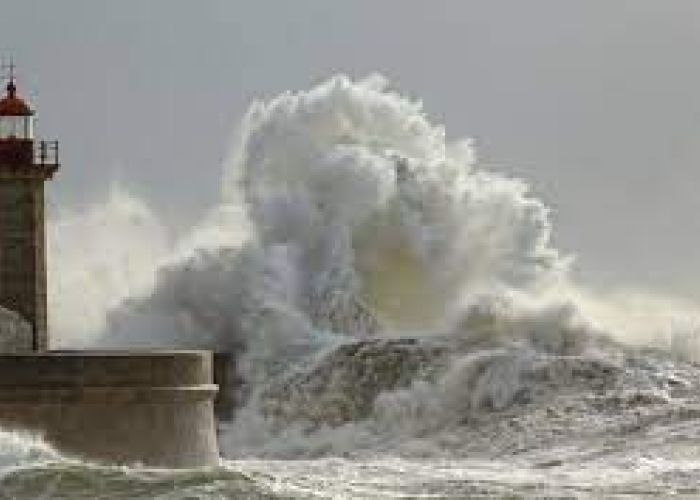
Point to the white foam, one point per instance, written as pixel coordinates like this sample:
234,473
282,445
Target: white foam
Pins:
345,213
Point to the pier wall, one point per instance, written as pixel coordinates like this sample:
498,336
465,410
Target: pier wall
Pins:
153,408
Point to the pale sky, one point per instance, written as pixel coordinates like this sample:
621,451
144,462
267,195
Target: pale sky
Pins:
596,103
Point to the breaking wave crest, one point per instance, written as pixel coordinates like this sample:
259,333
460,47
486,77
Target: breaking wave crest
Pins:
381,291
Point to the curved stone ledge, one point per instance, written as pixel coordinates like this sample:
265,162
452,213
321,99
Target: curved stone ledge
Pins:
105,368
121,395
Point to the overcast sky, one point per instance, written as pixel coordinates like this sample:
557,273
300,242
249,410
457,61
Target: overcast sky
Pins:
596,103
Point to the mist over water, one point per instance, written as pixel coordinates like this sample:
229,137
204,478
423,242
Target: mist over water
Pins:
385,295
341,204
350,203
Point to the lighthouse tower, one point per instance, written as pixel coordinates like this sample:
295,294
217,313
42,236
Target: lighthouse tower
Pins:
148,407
25,164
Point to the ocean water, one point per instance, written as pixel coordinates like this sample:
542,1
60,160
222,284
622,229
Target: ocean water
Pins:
403,325
651,460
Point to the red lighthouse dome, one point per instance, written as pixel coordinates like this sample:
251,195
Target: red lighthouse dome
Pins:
16,120
11,105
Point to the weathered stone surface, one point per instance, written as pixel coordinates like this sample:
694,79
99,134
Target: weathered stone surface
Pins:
15,333
154,408
23,251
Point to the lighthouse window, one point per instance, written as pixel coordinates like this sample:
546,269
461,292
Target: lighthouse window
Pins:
19,127
29,127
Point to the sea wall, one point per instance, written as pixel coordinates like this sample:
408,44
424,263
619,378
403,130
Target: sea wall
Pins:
154,408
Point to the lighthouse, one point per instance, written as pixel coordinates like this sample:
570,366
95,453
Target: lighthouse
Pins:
148,407
25,165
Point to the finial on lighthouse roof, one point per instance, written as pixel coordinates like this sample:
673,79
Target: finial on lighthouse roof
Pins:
11,86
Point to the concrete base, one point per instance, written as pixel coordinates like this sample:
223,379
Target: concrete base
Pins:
153,408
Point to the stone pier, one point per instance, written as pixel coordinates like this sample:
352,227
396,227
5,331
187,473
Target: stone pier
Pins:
153,408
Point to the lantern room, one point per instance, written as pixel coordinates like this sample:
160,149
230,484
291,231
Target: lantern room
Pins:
17,145
16,117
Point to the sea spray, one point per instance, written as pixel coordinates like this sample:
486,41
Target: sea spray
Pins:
344,178
347,220
99,256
